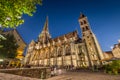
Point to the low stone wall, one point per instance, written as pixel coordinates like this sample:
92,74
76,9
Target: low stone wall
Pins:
40,72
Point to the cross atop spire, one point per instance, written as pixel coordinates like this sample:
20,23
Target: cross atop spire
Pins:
44,35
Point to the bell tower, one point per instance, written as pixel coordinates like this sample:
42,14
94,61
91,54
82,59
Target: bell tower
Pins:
94,51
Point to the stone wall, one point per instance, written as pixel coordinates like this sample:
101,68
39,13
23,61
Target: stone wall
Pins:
29,72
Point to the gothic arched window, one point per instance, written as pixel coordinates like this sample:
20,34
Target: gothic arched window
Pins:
68,50
52,54
80,50
81,53
59,52
46,55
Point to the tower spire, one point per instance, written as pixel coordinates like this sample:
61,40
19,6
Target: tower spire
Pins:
45,28
44,35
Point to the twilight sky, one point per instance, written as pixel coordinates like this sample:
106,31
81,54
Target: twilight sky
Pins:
103,16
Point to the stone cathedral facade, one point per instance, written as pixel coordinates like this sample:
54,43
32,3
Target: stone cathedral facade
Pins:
68,49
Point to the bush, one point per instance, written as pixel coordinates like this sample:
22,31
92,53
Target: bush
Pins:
113,67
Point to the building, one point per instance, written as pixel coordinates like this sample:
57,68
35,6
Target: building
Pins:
116,50
19,41
108,55
112,55
68,49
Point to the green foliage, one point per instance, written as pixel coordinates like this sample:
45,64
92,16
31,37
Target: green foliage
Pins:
113,67
9,49
11,11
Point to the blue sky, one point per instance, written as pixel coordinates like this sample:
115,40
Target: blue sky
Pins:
103,16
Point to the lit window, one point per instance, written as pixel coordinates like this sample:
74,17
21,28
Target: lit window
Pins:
68,50
60,52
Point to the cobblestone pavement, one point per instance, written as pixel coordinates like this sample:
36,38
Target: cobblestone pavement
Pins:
86,76
81,75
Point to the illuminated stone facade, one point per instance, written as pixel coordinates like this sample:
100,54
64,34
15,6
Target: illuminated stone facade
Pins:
116,50
65,50
108,55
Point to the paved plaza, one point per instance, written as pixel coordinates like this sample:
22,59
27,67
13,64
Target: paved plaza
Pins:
86,76
81,75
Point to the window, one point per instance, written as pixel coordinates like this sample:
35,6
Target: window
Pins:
59,52
80,49
87,28
46,55
83,29
53,53
81,23
85,22
68,50
81,53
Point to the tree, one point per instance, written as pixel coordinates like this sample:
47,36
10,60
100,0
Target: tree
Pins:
113,67
11,11
9,49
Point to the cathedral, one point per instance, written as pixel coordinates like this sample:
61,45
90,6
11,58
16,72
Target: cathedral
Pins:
68,49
